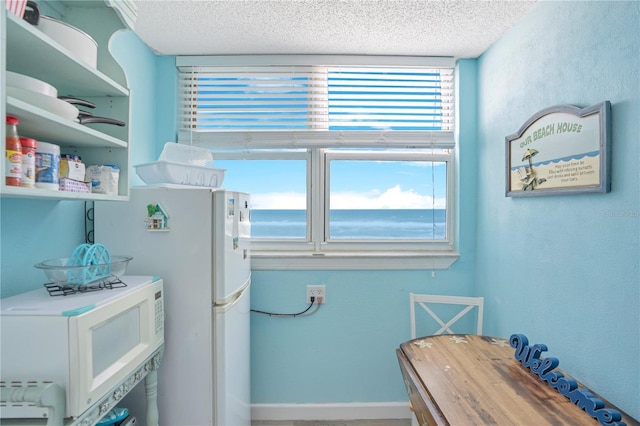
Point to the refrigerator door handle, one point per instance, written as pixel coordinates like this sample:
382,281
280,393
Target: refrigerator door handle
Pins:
234,299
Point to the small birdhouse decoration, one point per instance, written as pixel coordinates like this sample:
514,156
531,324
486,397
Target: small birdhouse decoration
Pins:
157,218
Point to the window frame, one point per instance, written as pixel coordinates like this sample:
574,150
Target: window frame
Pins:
367,245
317,252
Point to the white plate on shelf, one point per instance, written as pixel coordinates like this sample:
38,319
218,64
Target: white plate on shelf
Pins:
21,81
47,103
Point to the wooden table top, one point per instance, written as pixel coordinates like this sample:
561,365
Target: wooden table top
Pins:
476,380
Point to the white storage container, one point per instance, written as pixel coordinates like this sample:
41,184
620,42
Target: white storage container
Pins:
47,165
182,174
186,154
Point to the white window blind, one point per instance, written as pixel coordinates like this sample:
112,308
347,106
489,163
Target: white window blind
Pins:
390,99
310,104
252,98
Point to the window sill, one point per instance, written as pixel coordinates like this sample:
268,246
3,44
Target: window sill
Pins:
282,260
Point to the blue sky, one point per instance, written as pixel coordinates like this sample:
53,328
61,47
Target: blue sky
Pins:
355,185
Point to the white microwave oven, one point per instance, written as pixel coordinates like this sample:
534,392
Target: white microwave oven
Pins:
87,342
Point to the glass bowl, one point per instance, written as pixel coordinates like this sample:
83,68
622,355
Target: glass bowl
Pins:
58,272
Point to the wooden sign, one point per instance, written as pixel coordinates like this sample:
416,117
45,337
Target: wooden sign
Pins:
560,150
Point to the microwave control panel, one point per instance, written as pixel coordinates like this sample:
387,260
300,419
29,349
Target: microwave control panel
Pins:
159,310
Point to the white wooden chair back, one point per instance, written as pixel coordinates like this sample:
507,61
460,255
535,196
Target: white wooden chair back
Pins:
468,303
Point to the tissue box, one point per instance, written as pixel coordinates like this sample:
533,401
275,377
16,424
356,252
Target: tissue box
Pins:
71,185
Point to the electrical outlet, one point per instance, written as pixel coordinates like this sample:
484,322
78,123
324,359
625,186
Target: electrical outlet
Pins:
316,291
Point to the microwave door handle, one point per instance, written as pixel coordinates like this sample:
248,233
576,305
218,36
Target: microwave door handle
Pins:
49,395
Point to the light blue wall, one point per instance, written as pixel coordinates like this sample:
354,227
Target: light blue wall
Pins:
32,231
166,97
563,270
346,351
139,64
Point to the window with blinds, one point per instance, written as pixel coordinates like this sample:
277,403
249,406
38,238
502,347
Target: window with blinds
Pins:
296,98
350,160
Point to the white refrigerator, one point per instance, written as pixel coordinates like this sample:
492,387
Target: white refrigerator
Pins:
197,240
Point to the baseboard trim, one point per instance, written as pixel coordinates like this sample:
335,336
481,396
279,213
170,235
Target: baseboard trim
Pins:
344,411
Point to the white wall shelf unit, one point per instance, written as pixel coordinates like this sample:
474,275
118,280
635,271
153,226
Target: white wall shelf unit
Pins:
41,124
33,49
28,51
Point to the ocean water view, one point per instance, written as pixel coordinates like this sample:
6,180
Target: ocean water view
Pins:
412,224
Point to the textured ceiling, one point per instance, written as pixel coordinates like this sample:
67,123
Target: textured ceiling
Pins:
463,29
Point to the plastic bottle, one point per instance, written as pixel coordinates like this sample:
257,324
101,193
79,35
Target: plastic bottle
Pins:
47,166
13,153
28,162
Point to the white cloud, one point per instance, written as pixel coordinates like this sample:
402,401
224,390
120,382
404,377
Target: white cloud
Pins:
279,201
392,198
